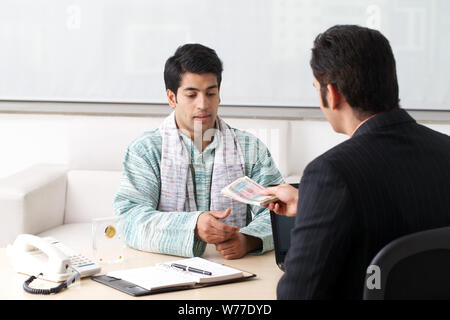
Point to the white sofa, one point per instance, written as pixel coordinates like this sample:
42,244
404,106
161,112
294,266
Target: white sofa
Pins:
60,200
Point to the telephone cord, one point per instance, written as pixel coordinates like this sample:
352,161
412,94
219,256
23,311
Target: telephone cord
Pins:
65,284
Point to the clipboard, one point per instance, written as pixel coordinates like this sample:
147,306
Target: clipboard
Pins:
136,289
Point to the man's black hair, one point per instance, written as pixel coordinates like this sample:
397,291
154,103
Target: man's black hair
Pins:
359,62
194,58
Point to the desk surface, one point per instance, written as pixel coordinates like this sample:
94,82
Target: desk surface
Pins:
263,287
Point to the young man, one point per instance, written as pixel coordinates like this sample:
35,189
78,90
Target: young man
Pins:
170,195
391,178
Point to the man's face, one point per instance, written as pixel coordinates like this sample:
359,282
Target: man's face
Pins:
196,102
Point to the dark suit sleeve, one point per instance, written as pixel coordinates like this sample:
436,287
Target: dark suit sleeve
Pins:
321,237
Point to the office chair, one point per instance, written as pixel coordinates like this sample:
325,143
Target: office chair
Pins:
416,266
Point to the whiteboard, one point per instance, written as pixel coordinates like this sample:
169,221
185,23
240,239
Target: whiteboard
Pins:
115,50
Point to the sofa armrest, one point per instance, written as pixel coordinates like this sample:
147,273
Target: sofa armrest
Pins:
32,201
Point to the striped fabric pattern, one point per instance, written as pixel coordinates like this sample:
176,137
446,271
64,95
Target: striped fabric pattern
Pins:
148,229
177,191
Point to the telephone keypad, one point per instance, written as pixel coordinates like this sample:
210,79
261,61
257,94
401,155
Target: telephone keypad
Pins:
82,264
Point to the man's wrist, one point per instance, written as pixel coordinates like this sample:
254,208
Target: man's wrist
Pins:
253,243
196,224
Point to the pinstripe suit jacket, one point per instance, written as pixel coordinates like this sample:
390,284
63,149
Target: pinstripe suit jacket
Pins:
390,179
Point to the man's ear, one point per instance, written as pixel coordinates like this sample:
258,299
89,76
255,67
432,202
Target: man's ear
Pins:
172,98
334,97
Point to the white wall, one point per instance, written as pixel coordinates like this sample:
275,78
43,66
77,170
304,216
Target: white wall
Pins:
98,142
115,50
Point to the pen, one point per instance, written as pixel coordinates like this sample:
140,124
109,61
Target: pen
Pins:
186,268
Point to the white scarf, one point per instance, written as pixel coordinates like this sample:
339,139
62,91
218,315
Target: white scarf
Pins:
177,185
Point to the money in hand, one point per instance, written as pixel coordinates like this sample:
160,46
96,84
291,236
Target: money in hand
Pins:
247,191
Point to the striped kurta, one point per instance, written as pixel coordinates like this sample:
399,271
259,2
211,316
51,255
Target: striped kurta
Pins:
147,229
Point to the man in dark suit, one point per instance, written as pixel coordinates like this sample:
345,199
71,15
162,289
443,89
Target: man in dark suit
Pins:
391,178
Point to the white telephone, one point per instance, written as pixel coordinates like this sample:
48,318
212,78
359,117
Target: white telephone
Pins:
46,256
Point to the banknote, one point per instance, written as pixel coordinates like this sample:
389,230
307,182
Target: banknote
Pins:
247,191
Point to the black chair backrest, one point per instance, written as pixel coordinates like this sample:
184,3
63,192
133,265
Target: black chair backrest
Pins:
416,266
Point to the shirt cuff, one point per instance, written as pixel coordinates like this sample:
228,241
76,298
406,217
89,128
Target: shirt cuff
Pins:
199,246
267,240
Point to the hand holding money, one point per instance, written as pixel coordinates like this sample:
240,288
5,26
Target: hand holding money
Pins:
287,199
248,191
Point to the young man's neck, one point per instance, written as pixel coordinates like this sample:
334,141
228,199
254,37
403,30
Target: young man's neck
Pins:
198,139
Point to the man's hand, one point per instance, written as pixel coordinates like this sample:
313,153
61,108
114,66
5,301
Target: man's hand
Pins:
211,230
288,199
238,246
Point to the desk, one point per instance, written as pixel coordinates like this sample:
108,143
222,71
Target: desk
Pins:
263,287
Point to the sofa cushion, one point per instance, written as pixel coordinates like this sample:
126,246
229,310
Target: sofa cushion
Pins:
97,148
90,194
100,143
73,234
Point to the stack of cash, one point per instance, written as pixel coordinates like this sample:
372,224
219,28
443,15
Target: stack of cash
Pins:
247,191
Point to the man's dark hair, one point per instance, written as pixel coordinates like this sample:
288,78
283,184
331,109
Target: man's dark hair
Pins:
194,58
359,62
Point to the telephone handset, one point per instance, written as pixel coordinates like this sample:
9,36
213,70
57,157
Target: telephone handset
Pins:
48,257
